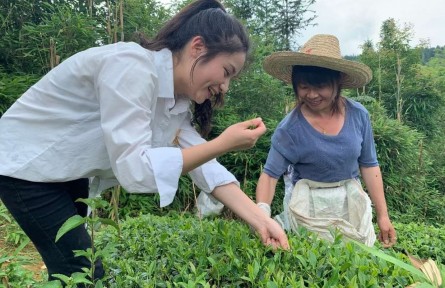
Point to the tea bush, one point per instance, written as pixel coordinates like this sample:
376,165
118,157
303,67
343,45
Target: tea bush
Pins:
423,241
155,251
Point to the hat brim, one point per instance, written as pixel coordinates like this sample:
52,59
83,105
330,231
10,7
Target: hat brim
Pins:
279,65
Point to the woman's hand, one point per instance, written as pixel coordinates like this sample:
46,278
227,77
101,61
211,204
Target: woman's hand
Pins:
387,235
242,135
239,136
273,235
269,231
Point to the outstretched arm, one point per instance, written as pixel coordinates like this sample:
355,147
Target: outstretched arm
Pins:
269,231
372,177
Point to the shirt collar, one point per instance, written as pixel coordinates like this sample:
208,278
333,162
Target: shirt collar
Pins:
163,60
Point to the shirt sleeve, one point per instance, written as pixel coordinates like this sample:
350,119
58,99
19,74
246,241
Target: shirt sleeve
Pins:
280,154
276,165
127,85
211,174
368,155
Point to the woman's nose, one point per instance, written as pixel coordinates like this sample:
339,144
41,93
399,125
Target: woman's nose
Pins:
225,86
312,93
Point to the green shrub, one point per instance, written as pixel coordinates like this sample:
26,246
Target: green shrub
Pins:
158,251
406,169
12,87
424,241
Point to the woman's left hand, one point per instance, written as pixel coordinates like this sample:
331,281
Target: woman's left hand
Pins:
387,235
242,135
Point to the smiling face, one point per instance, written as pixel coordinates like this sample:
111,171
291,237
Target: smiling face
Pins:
317,98
200,79
317,88
213,77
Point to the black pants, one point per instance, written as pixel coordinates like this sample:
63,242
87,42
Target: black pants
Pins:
40,209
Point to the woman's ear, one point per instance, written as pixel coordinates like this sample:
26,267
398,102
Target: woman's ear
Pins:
197,47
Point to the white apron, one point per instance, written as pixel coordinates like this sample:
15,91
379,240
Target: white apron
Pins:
324,207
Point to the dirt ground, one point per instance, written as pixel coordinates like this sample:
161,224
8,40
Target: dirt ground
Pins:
35,263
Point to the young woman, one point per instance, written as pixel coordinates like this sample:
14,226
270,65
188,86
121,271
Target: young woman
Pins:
327,142
120,113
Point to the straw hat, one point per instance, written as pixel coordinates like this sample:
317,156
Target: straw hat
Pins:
323,51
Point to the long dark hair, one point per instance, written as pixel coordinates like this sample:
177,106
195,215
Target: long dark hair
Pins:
221,33
317,77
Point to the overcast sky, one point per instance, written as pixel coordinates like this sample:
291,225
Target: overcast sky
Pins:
355,21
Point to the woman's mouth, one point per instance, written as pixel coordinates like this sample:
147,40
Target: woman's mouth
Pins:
212,92
313,102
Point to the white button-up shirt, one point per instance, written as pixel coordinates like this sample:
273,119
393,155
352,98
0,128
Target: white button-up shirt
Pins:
107,113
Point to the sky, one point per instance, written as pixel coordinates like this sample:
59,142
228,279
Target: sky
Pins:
355,21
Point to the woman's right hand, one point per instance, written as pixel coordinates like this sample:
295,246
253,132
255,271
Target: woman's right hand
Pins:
271,234
242,135
239,136
269,231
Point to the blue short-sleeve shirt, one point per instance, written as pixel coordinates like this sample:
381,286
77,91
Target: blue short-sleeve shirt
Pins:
319,157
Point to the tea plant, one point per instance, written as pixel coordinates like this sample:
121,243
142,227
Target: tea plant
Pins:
424,241
178,250
92,222
12,272
222,253
13,234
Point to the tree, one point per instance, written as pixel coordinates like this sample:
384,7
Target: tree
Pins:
290,19
144,16
394,64
277,22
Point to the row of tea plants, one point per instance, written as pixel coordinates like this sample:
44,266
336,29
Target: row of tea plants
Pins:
180,250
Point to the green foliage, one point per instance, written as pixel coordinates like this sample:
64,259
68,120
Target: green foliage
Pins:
92,254
13,234
144,16
12,272
403,86
132,204
422,240
435,149
406,167
63,30
247,165
393,260
424,104
183,251
13,15
289,20
11,87
276,22
254,88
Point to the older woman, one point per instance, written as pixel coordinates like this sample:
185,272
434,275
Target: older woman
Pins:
327,143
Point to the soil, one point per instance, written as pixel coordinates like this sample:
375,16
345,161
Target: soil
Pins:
34,263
